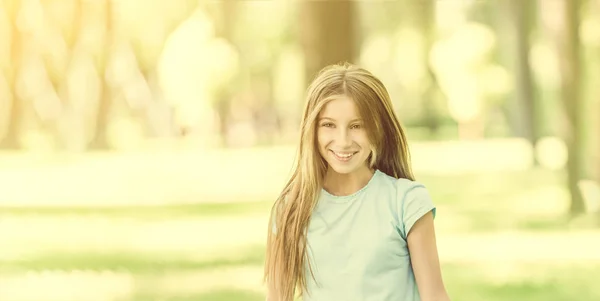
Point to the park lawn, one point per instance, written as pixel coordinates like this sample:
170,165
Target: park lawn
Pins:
149,212
236,276
483,203
217,278
476,283
468,283
533,200
465,282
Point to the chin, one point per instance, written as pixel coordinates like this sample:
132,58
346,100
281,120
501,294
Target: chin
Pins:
341,168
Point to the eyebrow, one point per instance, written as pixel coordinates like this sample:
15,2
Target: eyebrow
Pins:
329,118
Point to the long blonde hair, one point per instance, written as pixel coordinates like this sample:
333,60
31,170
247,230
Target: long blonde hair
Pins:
286,256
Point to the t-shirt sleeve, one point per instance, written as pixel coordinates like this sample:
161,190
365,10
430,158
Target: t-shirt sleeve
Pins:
414,202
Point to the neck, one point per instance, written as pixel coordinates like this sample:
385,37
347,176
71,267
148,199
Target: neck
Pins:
346,184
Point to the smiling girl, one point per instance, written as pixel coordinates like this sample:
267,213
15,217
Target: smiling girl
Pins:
352,223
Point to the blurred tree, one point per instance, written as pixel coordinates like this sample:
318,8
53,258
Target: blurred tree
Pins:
524,20
194,65
100,139
327,33
425,23
10,140
134,43
514,22
66,20
225,28
149,38
569,47
597,114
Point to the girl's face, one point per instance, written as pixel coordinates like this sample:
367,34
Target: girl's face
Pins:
342,138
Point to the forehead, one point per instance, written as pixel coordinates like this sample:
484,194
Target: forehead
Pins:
342,107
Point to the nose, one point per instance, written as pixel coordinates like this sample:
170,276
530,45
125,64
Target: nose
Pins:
343,138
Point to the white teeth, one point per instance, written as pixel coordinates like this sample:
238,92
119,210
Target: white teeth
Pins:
344,155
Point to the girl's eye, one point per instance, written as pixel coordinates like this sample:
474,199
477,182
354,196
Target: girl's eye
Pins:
355,126
328,124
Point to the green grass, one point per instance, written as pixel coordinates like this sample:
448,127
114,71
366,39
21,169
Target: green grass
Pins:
217,295
475,283
481,202
469,186
151,212
133,262
526,282
464,281
456,190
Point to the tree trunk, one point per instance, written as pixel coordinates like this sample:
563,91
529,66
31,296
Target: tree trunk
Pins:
11,137
426,25
226,30
570,69
597,116
526,97
10,141
327,34
100,139
510,23
157,115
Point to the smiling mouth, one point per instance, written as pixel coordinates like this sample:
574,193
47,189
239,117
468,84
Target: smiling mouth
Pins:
343,156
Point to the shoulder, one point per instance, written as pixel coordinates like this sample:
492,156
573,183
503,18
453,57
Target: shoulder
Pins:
412,192
410,188
402,187
410,201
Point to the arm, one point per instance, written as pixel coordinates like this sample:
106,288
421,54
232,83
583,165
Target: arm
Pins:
425,262
271,295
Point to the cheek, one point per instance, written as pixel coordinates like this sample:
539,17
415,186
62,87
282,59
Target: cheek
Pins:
321,139
362,139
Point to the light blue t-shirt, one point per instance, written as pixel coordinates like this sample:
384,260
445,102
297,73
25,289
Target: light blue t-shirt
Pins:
357,243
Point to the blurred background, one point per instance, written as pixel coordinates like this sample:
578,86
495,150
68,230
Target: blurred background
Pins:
143,142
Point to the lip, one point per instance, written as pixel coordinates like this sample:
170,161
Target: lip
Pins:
343,158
